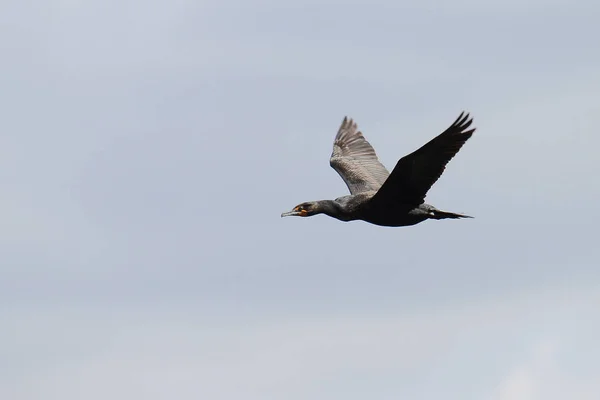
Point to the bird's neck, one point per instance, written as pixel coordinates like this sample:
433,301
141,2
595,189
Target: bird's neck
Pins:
332,208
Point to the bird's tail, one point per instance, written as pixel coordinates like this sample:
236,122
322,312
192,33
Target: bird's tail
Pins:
438,214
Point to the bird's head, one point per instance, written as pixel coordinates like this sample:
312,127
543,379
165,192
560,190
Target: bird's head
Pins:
303,210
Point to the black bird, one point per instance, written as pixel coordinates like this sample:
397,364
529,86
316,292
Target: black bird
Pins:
381,198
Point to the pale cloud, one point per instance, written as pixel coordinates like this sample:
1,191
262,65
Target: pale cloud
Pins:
524,381
99,353
542,377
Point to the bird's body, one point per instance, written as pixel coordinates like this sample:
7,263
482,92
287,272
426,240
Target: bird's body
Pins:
381,198
358,207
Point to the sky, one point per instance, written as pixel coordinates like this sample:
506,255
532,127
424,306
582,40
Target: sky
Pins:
148,149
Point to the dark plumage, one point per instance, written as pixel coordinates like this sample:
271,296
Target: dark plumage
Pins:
381,198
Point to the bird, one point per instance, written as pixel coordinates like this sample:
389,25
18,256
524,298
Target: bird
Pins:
388,199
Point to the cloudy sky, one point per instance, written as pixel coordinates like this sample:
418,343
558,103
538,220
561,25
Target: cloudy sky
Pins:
149,147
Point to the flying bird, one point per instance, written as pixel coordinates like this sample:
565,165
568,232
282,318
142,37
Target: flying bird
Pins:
381,198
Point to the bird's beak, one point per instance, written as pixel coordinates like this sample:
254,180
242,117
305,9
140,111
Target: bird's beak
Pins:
295,212
290,213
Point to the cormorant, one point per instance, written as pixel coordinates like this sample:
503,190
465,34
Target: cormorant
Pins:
381,198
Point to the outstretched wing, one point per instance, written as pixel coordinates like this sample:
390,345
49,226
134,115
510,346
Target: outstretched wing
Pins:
355,160
415,173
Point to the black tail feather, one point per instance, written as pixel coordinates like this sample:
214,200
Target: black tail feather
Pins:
437,214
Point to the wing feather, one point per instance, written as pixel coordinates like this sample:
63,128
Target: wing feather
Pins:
355,160
414,174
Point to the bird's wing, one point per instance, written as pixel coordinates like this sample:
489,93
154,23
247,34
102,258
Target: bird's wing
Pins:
355,160
415,173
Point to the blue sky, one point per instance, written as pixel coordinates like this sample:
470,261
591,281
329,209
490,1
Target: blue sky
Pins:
149,149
